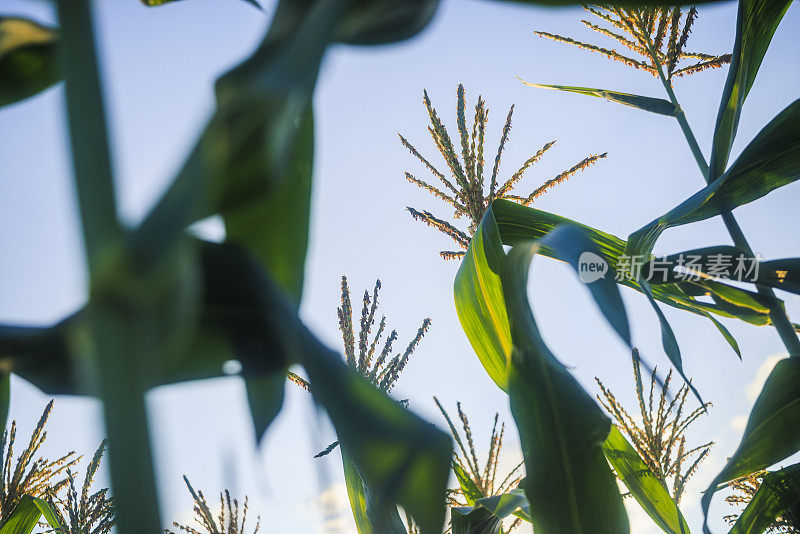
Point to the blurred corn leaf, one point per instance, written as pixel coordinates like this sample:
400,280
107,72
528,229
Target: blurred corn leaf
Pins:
646,103
645,487
5,396
26,515
770,161
756,23
402,458
156,3
561,427
371,22
28,59
368,517
772,433
778,493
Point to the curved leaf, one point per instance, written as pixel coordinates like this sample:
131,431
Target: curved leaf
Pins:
755,25
770,161
487,514
368,519
478,294
561,427
646,103
28,59
772,433
643,484
779,492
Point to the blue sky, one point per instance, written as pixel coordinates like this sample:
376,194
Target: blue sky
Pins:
158,69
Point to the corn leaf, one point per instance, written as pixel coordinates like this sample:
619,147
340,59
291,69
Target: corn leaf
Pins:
648,491
755,25
646,103
403,458
5,396
778,493
772,433
368,519
28,59
770,161
487,514
156,3
561,427
477,288
26,515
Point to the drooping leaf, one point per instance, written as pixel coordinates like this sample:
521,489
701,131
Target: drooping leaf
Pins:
371,22
404,459
772,433
477,290
779,491
368,519
28,59
755,25
646,103
561,427
257,148
485,516
770,161
645,487
474,520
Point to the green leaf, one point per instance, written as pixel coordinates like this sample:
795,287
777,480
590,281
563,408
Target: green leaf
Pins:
371,22
779,492
756,24
770,161
469,489
478,295
648,491
156,3
561,427
368,519
28,59
646,103
5,396
772,433
25,516
257,149
479,299
402,458
474,520
485,516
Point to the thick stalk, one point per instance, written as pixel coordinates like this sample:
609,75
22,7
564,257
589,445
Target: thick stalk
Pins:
777,314
120,336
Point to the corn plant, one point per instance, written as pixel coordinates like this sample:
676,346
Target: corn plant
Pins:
563,432
230,519
164,306
477,483
85,513
381,369
468,196
30,474
660,435
747,491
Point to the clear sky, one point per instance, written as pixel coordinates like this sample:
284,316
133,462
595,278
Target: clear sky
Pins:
158,68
